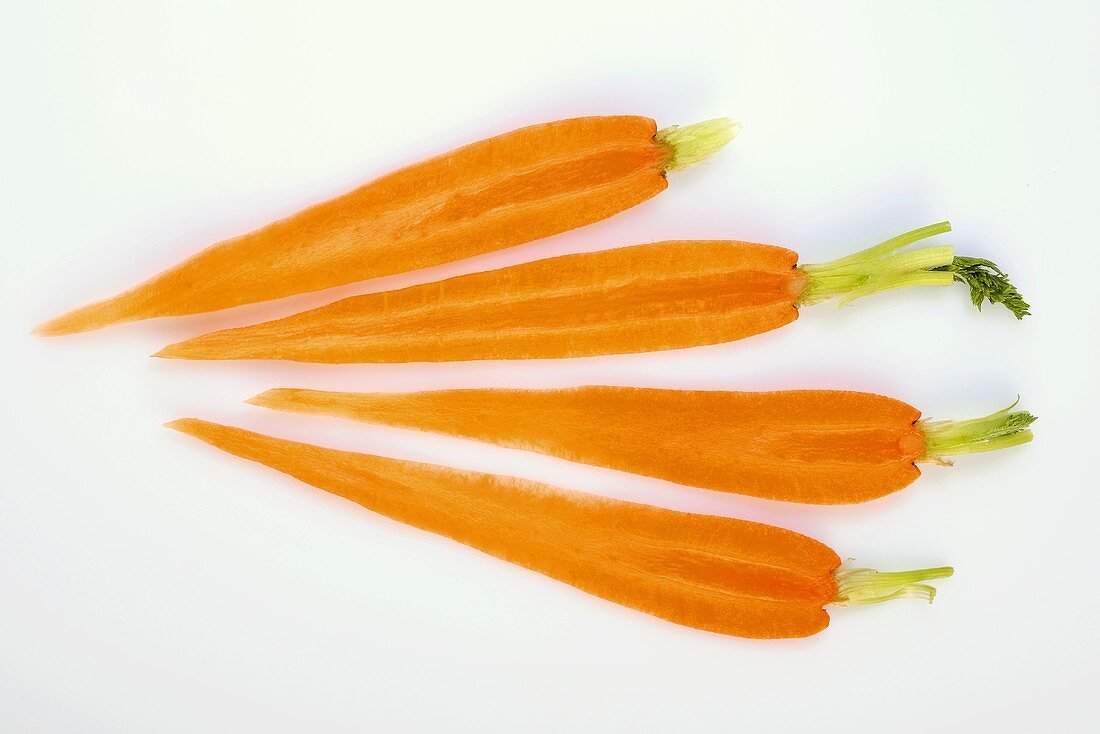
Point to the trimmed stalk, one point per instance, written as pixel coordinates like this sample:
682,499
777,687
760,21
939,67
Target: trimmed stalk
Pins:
886,267
1000,430
858,586
692,144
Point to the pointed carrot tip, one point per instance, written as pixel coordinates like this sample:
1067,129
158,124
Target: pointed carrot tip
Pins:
169,352
199,348
86,318
50,328
181,424
260,399
195,427
276,398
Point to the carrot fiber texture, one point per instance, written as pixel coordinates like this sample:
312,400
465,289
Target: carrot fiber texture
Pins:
713,573
497,193
666,295
813,446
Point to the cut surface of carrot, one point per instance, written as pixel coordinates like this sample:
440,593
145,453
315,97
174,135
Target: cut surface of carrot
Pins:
663,296
812,446
666,295
713,573
514,188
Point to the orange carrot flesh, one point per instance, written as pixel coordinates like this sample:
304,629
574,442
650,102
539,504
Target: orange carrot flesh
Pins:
824,447
713,573
497,193
811,446
667,295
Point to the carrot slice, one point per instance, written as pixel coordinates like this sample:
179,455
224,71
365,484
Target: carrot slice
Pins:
667,295
813,446
497,193
714,573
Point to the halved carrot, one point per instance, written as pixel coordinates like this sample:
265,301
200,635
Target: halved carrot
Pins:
504,191
666,295
815,446
713,573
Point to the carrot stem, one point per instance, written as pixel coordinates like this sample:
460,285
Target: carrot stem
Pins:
859,586
1000,430
886,267
695,143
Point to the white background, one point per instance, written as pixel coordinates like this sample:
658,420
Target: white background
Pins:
151,584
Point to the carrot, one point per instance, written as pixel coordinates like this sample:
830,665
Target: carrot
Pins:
497,193
713,573
667,295
814,446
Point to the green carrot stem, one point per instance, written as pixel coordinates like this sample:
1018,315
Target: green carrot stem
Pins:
885,248
857,586
886,267
692,144
894,282
1000,430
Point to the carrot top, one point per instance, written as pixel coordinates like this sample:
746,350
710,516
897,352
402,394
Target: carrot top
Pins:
692,144
1000,430
888,266
858,586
